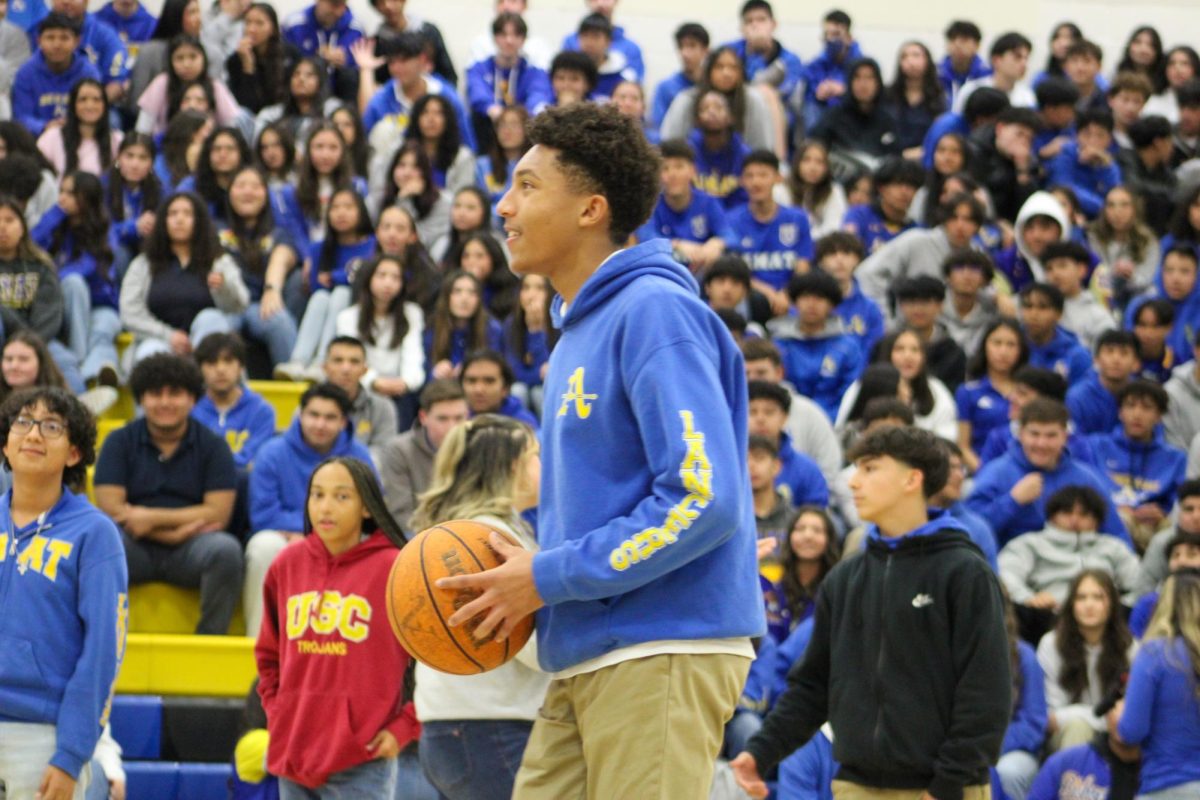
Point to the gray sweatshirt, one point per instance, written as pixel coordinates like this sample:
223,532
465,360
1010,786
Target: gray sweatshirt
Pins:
1049,559
232,297
1182,421
405,468
915,252
1084,316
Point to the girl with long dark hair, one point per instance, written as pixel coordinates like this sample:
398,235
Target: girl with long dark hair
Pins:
481,255
187,64
811,186
1144,55
811,551
257,68
1062,37
324,169
916,97
932,404
983,400
469,213
1180,65
434,126
391,328
304,102
223,153
131,195
180,152
275,155
495,169
724,72
16,140
459,325
529,337
396,235
1126,245
85,140
411,185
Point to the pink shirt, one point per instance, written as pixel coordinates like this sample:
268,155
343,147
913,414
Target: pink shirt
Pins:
154,102
51,145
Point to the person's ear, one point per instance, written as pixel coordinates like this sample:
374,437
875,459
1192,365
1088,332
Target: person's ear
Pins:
73,456
595,211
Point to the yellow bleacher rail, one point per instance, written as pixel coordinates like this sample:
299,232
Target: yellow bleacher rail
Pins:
199,666
162,608
284,397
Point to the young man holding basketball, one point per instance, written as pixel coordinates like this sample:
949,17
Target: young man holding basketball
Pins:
645,514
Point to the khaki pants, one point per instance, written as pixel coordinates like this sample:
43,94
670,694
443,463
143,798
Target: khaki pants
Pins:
1073,732
844,790
650,729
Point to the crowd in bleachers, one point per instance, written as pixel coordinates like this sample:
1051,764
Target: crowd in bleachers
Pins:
1006,257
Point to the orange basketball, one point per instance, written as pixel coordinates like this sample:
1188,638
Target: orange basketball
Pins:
418,610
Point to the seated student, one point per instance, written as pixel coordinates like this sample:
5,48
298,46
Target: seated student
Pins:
950,498
691,219
406,461
130,20
766,61
573,77
1185,145
1182,420
506,78
1011,491
1050,345
1136,458
595,37
487,381
1003,160
372,417
774,513
279,483
1066,265
799,477
962,62
1090,768
1028,383
1093,401
14,51
691,44
1056,108
1026,733
1187,520
840,254
1176,283
893,183
825,80
1146,170
719,148
819,358
1152,322
397,20
727,285
862,127
919,300
983,401
1037,567
968,310
620,42
169,483
1082,65
1086,163
1009,56
775,240
43,83
536,49
329,30
230,408
981,110
1126,98
1182,551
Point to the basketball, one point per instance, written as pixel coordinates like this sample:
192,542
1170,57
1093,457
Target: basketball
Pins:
418,610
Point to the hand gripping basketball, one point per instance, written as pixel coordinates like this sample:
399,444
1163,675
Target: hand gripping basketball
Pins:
507,593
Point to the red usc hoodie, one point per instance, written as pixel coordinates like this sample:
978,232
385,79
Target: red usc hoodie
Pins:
330,670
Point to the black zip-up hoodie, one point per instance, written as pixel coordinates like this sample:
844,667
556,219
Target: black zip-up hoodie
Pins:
908,661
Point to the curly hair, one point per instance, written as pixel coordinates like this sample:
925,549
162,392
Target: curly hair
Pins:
166,370
603,151
81,426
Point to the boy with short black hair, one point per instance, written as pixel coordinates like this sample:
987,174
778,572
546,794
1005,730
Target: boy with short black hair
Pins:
766,61
819,358
919,301
595,41
1050,345
229,408
774,514
962,62
727,285
44,82
372,416
1067,265
691,44
839,254
1177,284
1009,56
775,240
1186,141
628,48
825,75
943,588
894,184
1182,552
1093,401
968,310
1137,459
1056,98
573,77
1082,65
1146,170
693,221
799,477
1086,163
1127,97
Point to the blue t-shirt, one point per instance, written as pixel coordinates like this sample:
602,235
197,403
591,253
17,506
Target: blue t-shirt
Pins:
980,404
772,248
702,219
719,173
868,224
1162,715
346,261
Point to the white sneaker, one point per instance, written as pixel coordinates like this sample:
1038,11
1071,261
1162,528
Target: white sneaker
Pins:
289,371
99,399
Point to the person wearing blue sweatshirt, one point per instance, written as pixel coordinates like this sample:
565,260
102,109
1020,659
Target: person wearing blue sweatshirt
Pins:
130,20
279,481
775,240
328,29
1161,710
1029,383
800,479
962,62
630,52
487,381
720,150
595,38
1011,491
691,42
1093,401
43,84
1182,552
229,408
839,254
1086,163
645,510
950,498
1101,769
100,43
507,78
1051,346
1136,457
894,183
64,586
767,62
1018,764
1175,282
825,76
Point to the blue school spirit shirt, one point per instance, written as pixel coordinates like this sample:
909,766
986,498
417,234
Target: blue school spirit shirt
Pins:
830,63
1077,773
952,80
523,84
347,258
245,427
982,405
1063,354
862,319
1090,183
137,27
665,94
1027,728
102,284
389,103
653,408
302,29
1093,408
621,43
1162,715
64,581
719,173
990,496
868,224
1144,472
822,366
104,48
800,478
755,63
1001,439
458,343
702,219
513,408
772,248
279,480
40,95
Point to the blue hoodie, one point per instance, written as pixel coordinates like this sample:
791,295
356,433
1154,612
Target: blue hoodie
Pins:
279,480
1027,730
138,27
40,95
621,43
63,582
104,49
1144,472
862,319
1077,773
805,485
1162,714
103,289
944,124
754,63
1187,317
1063,354
245,428
827,66
979,530
1089,183
490,85
389,103
1001,439
952,81
990,496
981,405
1093,407
513,408
719,173
822,367
653,408
302,29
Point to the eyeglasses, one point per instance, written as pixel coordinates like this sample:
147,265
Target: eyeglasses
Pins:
49,428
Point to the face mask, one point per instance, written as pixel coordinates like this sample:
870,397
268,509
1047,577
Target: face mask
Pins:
834,48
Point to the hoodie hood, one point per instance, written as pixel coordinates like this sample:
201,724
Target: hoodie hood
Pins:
316,550
295,439
1040,204
615,273
939,521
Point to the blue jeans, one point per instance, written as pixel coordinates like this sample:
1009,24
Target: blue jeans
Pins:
277,332
411,783
319,324
210,320
473,759
375,778
91,331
